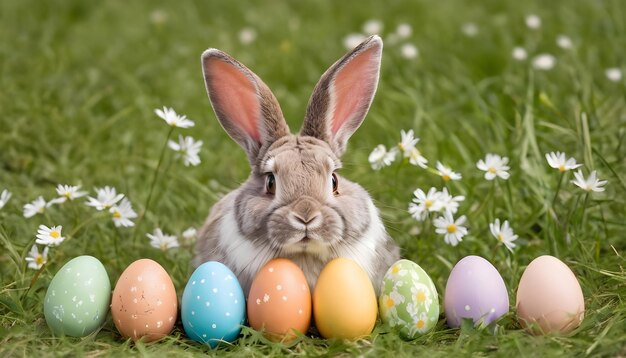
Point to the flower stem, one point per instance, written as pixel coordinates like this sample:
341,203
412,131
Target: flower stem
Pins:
558,188
146,205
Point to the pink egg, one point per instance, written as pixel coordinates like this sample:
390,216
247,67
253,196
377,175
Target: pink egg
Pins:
475,290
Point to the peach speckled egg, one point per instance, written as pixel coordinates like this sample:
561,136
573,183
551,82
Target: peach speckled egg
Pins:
344,301
279,302
144,302
549,297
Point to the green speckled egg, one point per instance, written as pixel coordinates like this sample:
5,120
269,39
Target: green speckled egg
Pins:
408,299
77,301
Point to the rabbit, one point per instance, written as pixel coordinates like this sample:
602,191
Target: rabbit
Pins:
294,204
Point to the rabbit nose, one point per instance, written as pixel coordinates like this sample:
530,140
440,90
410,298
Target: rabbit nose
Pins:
305,213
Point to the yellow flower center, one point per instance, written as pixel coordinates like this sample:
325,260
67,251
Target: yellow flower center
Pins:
117,214
420,324
421,296
163,246
67,194
446,178
500,238
428,203
491,170
395,269
55,234
401,146
451,228
390,302
562,168
39,260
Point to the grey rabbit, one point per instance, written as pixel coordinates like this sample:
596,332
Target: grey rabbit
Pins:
294,204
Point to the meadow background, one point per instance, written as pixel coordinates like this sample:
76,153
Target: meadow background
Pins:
79,82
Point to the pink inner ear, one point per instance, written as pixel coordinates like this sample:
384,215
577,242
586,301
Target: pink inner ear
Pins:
354,88
234,94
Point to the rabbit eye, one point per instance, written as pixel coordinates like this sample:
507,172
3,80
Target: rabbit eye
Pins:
270,184
335,184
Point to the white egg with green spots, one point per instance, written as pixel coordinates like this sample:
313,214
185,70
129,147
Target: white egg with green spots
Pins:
408,299
78,297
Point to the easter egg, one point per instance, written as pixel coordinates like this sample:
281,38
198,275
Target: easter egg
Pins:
77,300
144,302
475,290
549,297
213,307
344,301
408,299
279,302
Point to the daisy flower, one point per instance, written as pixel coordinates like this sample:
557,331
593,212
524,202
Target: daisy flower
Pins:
424,203
69,192
470,29
564,42
420,295
123,213
353,40
247,36
544,62
162,241
557,160
407,143
416,158
49,236
419,321
448,202
494,166
446,173
613,74
173,119
533,21
107,197
380,157
453,230
409,51
35,259
503,233
38,206
590,184
187,148
372,27
4,198
190,233
404,30
519,53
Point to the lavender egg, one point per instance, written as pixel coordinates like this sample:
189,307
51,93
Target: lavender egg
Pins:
475,290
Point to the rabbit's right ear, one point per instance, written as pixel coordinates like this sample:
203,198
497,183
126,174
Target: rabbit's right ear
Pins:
244,105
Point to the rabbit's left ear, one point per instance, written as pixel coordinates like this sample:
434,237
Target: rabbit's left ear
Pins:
343,95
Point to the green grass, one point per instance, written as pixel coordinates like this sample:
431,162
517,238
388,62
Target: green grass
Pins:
79,82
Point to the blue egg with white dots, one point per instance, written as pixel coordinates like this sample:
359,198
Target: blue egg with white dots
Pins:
213,307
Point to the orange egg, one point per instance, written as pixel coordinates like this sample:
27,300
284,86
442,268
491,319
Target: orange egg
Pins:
279,302
144,301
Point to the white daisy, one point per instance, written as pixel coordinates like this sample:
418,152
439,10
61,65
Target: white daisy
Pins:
353,40
423,203
404,30
590,184
557,160
613,74
494,165
421,295
409,51
188,149
173,119
419,323
417,159
190,233
397,273
4,198
123,213
533,21
49,236
503,233
107,197
519,54
448,202
452,230
564,42
38,206
544,62
380,157
162,241
68,192
35,259
247,35
446,173
470,29
407,143
372,27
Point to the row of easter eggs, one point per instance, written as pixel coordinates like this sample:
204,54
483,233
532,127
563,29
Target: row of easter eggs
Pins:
344,305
